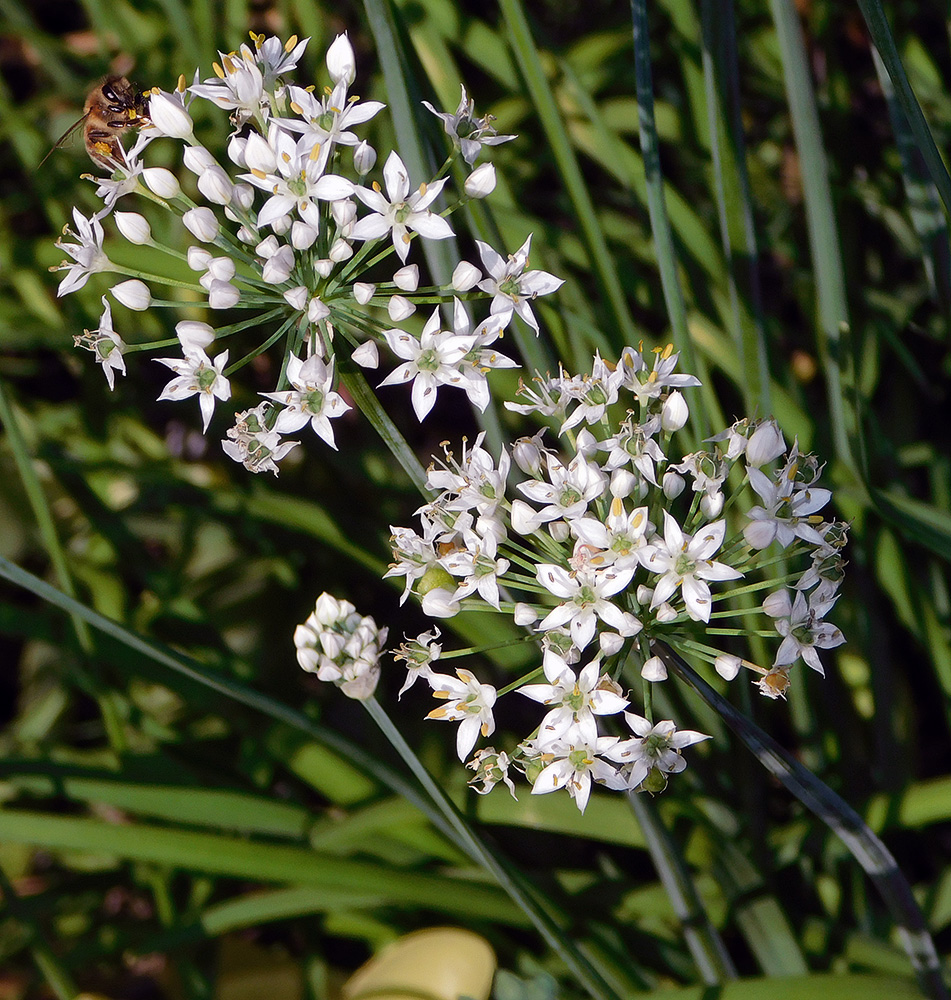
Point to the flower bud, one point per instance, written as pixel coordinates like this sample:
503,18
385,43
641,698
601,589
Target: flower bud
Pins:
399,308
198,258
363,291
242,196
236,146
439,603
169,116
525,614
193,335
367,355
672,485
712,504
675,412
610,643
623,483
558,530
324,267
277,268
303,236
267,248
407,278
317,310
465,276
216,186
296,298
221,268
161,182
341,63
665,613
727,666
223,295
133,294
198,159
202,224
133,227
654,669
344,213
246,235
340,251
528,456
481,182
364,158
765,444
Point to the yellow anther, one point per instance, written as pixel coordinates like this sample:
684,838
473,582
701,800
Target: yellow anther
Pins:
219,72
290,43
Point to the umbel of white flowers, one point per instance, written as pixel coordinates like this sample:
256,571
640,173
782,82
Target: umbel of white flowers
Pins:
283,226
613,543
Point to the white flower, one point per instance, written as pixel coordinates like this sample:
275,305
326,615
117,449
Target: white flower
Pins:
88,256
106,344
652,384
312,398
511,287
197,373
801,625
789,510
571,488
467,702
400,211
574,701
491,767
239,86
252,443
276,59
585,599
656,748
573,762
683,561
419,654
467,132
431,361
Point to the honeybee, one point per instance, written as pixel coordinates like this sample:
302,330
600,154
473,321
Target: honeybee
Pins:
111,107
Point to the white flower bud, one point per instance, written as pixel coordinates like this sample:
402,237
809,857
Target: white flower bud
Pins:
610,643
367,355
236,145
399,308
133,294
465,277
198,258
525,614
558,530
193,335
675,412
281,225
654,669
438,603
303,236
207,280
169,117
673,485
202,224
777,604
363,291
665,613
765,444
161,182
344,213
586,444
198,159
246,235
623,483
340,251
324,267
267,248
525,518
278,266
644,595
134,227
407,278
727,666
296,298
364,158
243,196
317,310
221,268
481,182
216,185
712,504
341,63
223,295
528,456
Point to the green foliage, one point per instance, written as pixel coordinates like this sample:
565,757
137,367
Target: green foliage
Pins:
161,787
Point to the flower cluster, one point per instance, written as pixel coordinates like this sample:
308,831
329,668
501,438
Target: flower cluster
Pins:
610,545
341,646
289,226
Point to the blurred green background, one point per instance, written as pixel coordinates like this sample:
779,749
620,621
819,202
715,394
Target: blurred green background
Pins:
152,829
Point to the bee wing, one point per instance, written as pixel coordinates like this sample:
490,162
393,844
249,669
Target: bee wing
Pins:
59,142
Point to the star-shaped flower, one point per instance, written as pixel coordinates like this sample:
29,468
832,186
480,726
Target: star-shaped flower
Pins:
312,398
512,287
